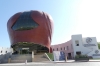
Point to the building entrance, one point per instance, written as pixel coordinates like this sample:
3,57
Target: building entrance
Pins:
28,48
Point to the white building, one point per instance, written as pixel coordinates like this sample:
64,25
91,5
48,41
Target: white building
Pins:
5,50
86,46
79,45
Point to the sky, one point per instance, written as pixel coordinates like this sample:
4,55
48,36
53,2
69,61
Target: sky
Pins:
70,17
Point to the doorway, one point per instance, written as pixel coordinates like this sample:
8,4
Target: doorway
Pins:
78,53
69,56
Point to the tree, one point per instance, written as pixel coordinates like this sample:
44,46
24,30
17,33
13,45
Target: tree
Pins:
99,45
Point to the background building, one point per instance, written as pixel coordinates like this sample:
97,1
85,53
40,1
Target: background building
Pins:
79,45
4,50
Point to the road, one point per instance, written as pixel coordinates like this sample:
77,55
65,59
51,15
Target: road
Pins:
55,64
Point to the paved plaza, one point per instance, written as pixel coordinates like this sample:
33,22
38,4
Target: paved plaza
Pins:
55,64
70,63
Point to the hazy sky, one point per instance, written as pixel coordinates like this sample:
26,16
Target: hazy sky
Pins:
70,17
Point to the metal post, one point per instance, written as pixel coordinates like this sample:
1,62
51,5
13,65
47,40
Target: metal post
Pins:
25,61
66,58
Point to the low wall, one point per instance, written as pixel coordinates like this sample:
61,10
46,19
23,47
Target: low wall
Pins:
4,58
21,58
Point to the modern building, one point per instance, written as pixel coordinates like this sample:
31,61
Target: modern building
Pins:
30,31
79,45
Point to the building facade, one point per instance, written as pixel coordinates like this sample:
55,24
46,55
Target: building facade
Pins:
79,45
30,29
66,47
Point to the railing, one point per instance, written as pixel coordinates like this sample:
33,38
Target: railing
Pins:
47,56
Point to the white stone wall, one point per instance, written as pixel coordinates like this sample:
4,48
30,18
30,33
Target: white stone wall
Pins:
95,54
83,49
77,48
5,50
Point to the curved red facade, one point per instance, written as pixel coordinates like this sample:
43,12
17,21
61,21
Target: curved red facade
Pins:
40,35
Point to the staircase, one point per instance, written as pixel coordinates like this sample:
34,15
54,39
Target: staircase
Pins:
40,58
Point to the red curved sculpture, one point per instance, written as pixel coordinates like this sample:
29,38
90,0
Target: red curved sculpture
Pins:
40,34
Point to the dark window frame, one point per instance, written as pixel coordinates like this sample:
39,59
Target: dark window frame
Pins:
1,51
6,51
24,22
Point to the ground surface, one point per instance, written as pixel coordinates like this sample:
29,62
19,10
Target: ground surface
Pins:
69,63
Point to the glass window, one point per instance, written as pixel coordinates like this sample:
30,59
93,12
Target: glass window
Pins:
1,51
77,43
24,22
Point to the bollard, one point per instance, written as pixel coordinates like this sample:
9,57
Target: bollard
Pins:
25,61
9,60
66,58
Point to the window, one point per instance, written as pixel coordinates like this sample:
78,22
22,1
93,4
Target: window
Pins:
67,48
61,48
24,22
77,43
1,51
64,48
57,49
78,53
71,46
6,51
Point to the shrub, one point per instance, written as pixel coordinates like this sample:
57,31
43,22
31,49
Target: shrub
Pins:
81,56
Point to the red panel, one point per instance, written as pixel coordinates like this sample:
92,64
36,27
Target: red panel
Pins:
41,35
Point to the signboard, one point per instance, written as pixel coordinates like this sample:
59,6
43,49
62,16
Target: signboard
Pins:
88,40
96,53
25,48
87,45
62,56
58,55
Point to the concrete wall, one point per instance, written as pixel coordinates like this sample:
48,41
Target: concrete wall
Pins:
95,54
77,48
21,58
85,50
4,57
